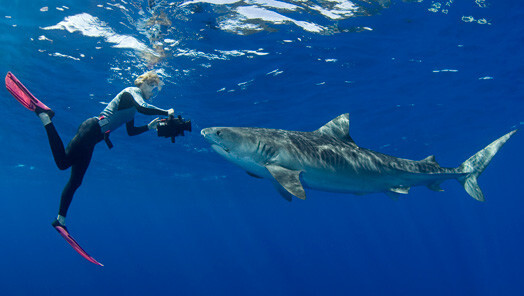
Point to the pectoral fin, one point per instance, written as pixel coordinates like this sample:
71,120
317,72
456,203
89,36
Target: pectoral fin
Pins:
288,179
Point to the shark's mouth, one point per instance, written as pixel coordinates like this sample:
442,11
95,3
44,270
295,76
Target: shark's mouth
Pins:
219,147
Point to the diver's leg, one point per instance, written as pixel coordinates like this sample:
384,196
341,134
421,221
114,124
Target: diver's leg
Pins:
78,152
78,170
57,146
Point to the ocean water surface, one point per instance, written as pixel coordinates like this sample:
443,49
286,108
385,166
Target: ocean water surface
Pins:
418,78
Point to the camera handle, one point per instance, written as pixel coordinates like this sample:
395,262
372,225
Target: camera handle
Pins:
171,117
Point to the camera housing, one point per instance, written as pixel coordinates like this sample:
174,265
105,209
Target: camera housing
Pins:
172,127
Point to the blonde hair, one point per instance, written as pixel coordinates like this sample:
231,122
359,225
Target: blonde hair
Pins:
150,76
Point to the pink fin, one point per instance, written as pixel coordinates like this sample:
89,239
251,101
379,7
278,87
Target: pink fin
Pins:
65,234
22,94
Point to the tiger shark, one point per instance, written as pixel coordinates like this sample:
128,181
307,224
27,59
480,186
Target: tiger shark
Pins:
329,160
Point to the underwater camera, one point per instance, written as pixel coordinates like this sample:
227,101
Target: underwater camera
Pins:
171,127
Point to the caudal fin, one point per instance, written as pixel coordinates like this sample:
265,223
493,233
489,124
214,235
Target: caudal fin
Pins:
476,164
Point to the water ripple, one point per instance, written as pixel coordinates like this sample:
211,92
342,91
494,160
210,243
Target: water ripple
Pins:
252,16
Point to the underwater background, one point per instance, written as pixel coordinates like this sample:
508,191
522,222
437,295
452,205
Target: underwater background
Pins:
418,78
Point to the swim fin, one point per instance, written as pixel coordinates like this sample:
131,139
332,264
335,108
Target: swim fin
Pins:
22,95
65,234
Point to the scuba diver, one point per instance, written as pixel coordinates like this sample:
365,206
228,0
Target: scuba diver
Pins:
77,155
121,110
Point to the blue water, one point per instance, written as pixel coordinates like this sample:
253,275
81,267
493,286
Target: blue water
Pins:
418,78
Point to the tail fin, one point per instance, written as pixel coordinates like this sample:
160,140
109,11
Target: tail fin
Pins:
476,164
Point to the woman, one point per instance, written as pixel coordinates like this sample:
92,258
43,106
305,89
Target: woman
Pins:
121,110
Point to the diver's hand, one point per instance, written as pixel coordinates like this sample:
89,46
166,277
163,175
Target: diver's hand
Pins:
153,124
171,112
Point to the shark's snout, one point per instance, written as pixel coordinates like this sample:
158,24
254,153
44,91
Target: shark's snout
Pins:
212,135
207,133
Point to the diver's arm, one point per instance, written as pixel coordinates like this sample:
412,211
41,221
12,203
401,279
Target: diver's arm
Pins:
133,130
127,101
148,109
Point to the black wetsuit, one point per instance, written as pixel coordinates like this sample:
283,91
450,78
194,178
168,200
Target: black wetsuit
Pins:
78,153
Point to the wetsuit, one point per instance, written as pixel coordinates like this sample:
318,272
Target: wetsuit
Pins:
78,153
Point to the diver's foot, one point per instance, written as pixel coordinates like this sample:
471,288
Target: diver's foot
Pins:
57,223
49,112
45,115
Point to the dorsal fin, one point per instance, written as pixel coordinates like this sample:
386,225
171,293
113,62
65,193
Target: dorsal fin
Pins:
337,128
430,159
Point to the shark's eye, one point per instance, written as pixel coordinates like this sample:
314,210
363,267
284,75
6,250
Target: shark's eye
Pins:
218,133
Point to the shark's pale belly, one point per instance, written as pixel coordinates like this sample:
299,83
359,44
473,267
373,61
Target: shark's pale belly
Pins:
368,182
338,184
348,183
